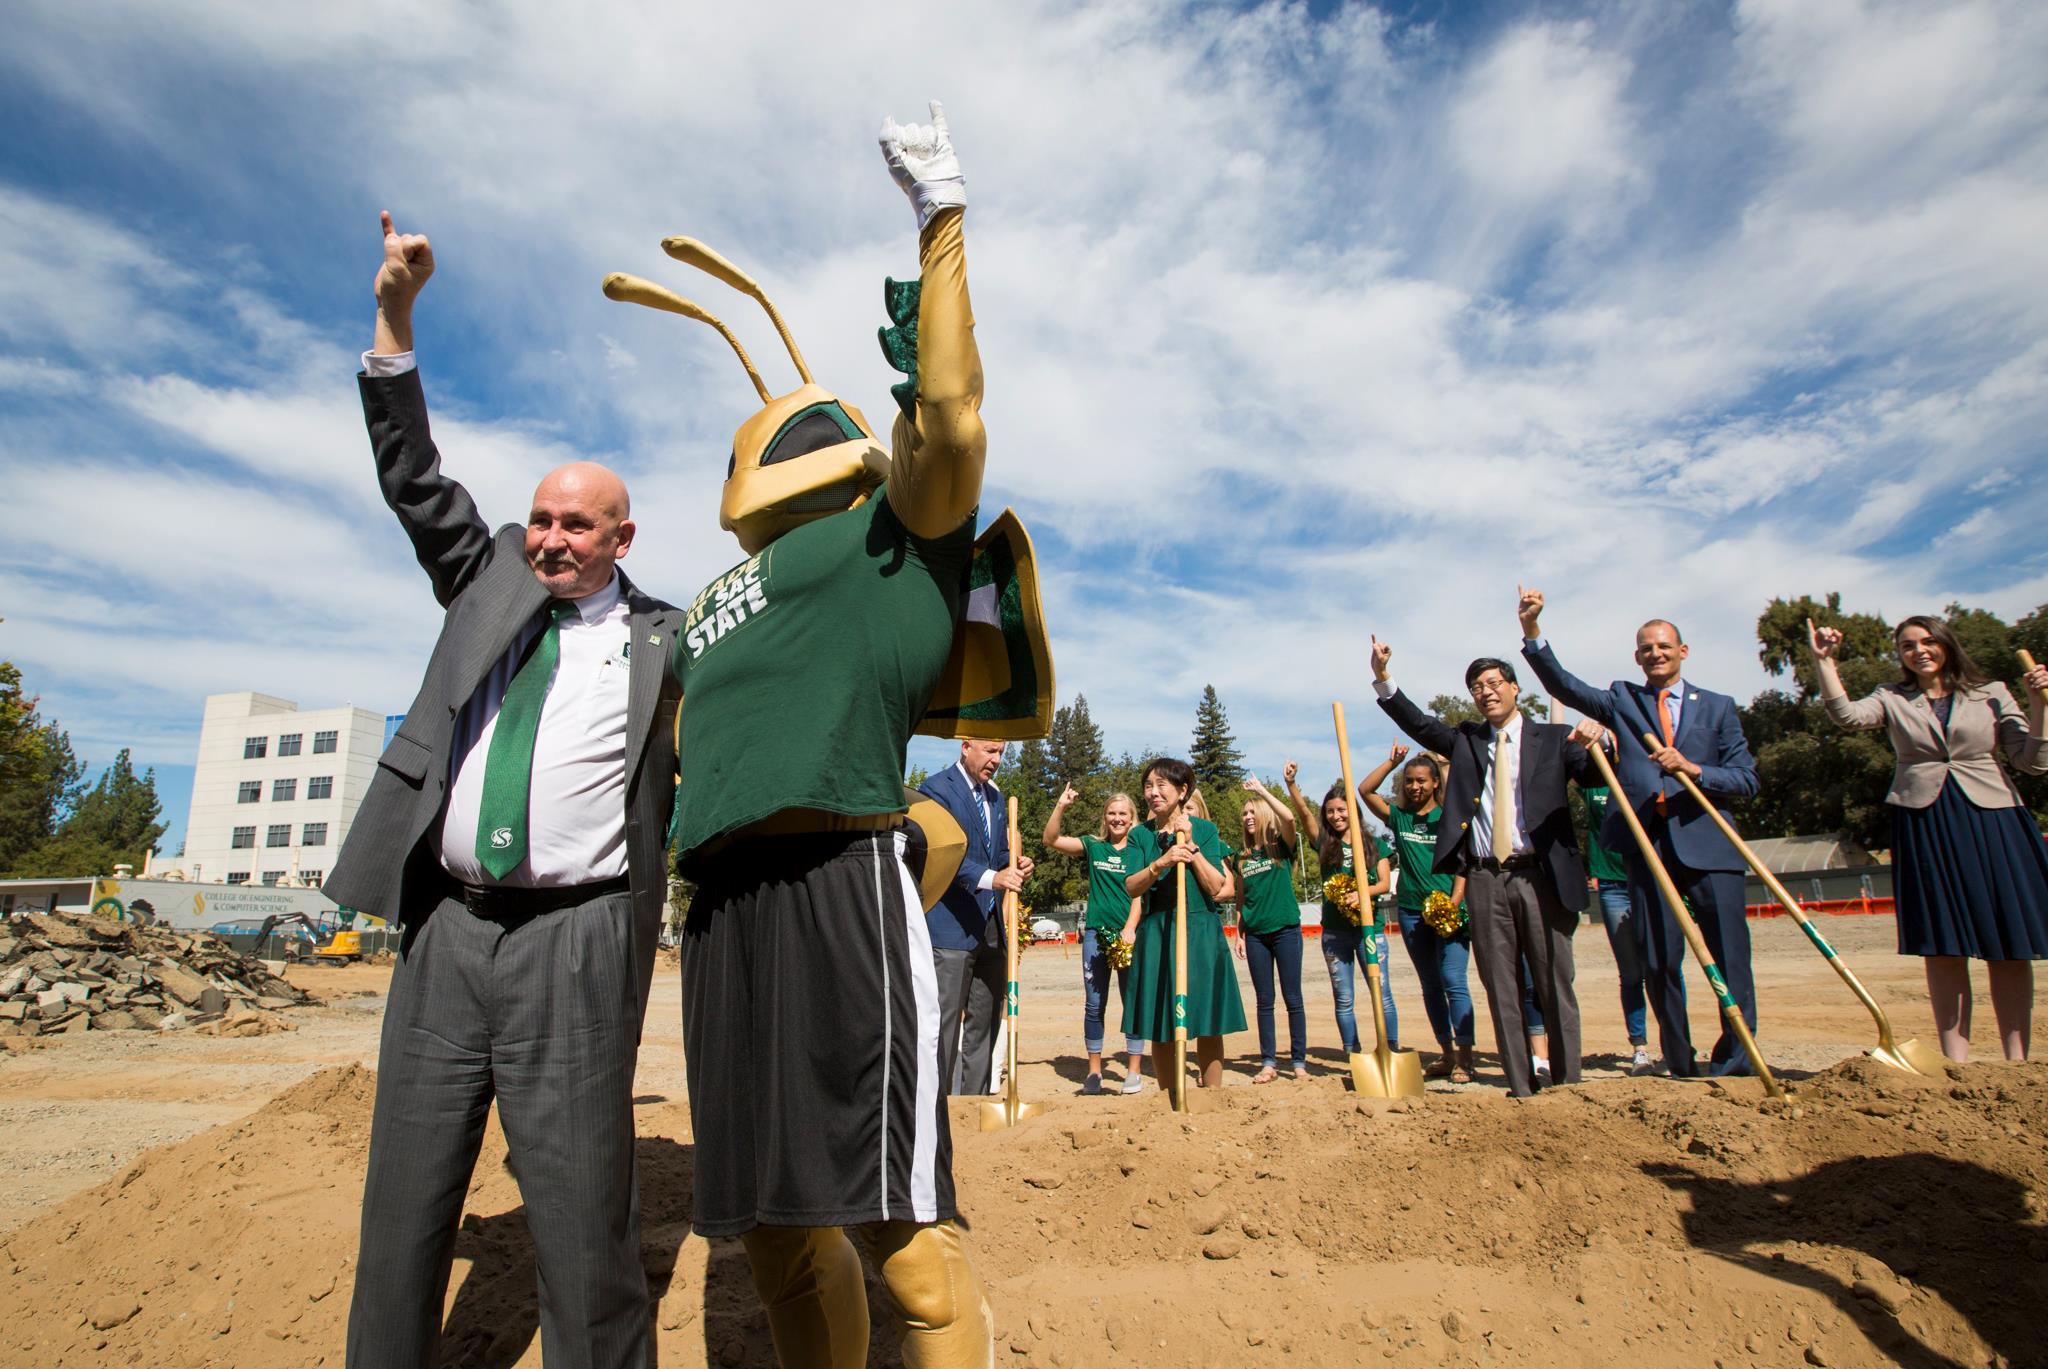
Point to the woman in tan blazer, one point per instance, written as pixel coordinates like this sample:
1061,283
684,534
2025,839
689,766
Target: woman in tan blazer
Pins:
1969,869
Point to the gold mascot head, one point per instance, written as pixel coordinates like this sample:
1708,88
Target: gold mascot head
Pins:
803,455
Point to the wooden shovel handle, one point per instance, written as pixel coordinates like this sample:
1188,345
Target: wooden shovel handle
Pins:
2027,660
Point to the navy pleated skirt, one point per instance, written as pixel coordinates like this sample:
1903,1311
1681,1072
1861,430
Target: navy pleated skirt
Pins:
1969,881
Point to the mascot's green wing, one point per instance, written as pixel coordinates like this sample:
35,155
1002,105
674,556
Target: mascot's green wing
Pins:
998,681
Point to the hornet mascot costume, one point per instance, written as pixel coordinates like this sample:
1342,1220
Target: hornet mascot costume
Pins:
865,611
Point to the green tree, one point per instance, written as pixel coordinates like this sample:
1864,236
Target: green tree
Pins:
1217,762
39,774
113,823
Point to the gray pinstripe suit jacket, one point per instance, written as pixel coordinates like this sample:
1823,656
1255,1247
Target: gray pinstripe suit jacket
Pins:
389,865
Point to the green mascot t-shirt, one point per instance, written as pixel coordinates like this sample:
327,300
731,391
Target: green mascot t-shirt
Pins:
806,667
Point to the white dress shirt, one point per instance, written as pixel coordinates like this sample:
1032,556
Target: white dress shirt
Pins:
1482,820
989,797
576,816
576,810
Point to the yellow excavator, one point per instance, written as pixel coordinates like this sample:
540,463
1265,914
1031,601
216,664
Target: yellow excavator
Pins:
343,946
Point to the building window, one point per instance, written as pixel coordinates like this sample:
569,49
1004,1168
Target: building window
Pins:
288,743
255,748
238,876
320,787
311,878
244,838
315,834
249,792
272,877
280,834
323,742
282,791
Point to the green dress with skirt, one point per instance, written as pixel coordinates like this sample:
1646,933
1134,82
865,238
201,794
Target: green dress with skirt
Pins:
1215,1007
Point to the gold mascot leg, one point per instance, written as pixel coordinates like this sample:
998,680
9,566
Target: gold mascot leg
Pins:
944,1310
810,1280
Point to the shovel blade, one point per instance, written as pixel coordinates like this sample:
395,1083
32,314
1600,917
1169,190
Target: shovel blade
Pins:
1915,1057
1387,1074
998,1113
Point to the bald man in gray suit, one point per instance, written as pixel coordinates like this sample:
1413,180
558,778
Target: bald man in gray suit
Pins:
516,826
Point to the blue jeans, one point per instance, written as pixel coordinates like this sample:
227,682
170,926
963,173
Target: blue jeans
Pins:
1344,946
1095,994
1440,973
1263,951
1628,955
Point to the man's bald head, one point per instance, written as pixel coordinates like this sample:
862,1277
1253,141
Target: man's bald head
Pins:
580,526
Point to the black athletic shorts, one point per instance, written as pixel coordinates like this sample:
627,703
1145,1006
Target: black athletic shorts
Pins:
811,1035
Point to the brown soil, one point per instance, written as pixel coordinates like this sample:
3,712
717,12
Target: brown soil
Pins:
1876,1218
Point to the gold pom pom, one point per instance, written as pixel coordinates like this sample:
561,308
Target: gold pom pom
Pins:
1115,950
1442,916
1341,890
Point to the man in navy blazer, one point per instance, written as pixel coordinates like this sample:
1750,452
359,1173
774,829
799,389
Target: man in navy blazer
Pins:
1702,738
967,932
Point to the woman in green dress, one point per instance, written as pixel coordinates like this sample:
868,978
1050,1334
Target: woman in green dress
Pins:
1269,928
1110,856
1214,1008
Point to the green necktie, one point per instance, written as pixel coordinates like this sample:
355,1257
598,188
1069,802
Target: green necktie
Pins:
508,769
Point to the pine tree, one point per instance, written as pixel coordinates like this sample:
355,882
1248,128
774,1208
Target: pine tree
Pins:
1218,764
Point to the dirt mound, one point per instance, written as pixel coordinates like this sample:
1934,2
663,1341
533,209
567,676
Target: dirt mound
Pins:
65,973
1876,1218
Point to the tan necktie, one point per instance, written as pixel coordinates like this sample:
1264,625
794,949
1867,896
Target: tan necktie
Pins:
1503,800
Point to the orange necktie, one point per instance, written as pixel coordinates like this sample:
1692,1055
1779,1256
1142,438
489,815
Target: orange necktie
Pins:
1664,717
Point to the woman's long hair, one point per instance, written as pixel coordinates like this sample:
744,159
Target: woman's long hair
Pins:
1266,835
1958,671
1331,850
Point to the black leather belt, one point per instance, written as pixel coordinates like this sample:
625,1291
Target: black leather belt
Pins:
501,901
1524,861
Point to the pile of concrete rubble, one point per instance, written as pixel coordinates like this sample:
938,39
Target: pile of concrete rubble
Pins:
66,973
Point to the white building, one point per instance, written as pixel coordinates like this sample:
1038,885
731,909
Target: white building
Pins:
275,788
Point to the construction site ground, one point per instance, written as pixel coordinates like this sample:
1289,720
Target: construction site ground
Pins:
179,1200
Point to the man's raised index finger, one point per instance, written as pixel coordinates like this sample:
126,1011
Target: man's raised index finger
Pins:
940,131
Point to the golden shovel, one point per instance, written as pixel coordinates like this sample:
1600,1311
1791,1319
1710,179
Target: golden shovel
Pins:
1009,1110
1731,1014
1915,1057
1386,1073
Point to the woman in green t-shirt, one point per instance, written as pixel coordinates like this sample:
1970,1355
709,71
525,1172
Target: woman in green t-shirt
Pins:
1269,929
1214,1007
1344,940
1110,856
1440,961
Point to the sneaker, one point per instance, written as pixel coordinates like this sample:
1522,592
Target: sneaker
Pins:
1542,1072
1134,1084
1642,1064
1092,1084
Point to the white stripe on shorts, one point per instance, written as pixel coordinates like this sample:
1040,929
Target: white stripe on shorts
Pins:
924,981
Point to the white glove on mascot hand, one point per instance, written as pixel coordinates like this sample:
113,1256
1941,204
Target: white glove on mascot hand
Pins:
920,157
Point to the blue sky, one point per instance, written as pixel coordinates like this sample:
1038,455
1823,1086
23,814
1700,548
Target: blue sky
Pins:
1299,322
